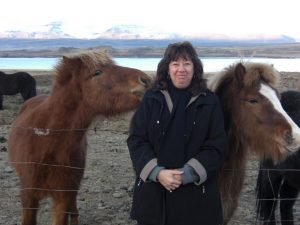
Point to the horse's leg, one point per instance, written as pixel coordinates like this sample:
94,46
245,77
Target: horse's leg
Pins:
267,188
288,196
64,207
25,94
73,210
31,91
30,206
1,102
59,216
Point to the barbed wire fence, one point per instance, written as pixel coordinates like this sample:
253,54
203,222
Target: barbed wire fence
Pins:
108,181
106,189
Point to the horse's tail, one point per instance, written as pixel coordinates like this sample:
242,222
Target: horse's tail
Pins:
267,191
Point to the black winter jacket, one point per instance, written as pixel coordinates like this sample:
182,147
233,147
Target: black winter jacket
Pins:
205,142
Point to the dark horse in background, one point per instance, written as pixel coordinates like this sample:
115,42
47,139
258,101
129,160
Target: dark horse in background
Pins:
20,82
280,183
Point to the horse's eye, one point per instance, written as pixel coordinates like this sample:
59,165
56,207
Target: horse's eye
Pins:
253,101
98,72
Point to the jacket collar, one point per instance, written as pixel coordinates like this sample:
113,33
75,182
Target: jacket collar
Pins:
204,98
193,99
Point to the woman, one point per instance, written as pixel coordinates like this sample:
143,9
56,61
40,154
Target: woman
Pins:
176,145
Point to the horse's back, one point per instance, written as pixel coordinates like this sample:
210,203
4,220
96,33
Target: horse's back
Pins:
20,132
8,84
32,103
11,84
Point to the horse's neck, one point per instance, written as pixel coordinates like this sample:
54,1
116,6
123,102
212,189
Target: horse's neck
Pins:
68,110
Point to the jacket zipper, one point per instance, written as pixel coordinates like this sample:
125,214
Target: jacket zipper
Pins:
140,180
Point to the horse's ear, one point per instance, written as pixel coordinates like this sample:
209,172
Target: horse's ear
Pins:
71,65
66,59
240,72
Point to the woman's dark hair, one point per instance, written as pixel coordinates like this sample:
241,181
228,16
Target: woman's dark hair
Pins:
172,53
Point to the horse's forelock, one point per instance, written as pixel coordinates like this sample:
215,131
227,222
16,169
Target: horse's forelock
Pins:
89,59
94,58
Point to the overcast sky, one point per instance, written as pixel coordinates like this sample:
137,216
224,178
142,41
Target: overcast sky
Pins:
229,17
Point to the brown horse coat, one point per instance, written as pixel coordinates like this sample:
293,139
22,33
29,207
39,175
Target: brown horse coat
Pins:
47,143
254,121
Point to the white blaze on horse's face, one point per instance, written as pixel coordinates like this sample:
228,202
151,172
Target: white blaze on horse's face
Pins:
270,94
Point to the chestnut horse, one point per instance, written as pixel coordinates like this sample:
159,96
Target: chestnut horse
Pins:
47,143
254,122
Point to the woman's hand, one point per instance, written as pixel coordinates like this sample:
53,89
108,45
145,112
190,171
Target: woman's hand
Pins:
170,179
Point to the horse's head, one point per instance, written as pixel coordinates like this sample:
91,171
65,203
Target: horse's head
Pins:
253,113
103,86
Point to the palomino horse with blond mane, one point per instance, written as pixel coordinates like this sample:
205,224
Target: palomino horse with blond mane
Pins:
47,142
254,121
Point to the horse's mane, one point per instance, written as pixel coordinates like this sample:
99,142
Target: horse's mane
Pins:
89,59
255,73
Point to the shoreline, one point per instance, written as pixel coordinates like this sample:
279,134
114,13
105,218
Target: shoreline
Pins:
289,80
37,71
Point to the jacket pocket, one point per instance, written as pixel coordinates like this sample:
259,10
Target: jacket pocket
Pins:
148,203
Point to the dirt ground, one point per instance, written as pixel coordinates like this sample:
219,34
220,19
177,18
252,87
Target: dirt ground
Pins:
105,194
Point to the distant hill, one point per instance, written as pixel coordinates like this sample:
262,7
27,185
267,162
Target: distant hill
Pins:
129,40
283,47
44,44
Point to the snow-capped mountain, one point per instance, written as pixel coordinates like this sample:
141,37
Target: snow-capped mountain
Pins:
50,31
142,32
55,30
136,32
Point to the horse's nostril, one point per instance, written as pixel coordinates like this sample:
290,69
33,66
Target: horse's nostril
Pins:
288,136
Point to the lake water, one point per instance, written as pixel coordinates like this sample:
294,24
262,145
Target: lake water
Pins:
150,64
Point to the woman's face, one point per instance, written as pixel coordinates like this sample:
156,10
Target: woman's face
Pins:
181,72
